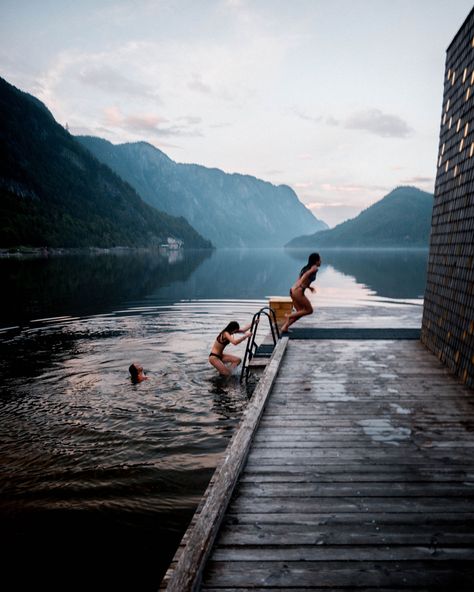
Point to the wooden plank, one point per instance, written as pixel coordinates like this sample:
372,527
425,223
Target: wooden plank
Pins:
293,505
187,572
315,589
347,474
442,574
445,519
383,552
327,533
355,489
395,455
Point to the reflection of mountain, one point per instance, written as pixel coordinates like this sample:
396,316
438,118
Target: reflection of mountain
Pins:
240,274
390,273
84,285
79,285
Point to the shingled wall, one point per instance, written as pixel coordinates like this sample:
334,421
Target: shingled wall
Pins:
448,313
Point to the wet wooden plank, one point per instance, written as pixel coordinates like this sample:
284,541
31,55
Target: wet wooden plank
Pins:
290,505
381,552
445,519
354,489
328,533
439,575
355,474
314,589
361,475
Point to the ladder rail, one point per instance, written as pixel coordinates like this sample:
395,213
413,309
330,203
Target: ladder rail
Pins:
251,347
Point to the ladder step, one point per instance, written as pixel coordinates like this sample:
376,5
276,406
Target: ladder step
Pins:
266,349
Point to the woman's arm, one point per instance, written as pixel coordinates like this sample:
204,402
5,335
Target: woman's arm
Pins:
247,327
235,341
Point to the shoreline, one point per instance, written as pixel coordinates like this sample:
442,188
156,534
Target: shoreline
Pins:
45,252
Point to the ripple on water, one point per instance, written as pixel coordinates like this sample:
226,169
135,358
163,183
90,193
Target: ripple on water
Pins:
74,425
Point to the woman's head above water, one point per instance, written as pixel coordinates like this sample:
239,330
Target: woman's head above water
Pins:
136,372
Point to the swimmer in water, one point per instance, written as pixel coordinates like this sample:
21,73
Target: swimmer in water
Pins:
225,363
136,373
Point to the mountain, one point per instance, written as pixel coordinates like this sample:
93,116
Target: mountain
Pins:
401,219
54,193
231,210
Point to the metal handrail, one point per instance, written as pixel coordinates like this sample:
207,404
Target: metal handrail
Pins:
251,348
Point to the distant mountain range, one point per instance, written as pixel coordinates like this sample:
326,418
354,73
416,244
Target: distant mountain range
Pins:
231,210
401,219
60,191
54,193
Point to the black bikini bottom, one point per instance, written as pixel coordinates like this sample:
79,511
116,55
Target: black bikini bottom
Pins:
298,288
216,356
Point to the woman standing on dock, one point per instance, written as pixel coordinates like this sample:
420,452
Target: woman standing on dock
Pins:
218,358
301,303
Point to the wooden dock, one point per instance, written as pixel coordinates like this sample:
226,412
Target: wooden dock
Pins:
353,469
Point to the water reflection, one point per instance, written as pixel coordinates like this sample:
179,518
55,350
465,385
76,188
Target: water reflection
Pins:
86,284
389,273
81,285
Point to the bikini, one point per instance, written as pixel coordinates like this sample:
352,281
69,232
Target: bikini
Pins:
223,341
312,277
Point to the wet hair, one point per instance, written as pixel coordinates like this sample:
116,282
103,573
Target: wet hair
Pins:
312,260
133,372
232,327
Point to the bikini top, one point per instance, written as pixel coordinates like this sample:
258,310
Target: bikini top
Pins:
222,340
311,278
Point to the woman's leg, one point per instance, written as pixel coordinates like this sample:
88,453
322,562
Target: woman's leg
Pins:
303,307
219,366
234,361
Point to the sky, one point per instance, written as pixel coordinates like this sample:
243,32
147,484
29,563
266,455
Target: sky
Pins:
339,99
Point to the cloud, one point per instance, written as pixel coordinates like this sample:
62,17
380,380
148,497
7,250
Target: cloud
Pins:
371,120
317,205
353,188
332,120
418,181
307,117
273,172
110,81
379,123
198,85
341,188
303,185
190,119
148,123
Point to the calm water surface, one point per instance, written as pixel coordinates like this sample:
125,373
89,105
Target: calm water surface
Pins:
99,474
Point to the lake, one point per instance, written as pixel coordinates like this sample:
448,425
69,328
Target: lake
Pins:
97,473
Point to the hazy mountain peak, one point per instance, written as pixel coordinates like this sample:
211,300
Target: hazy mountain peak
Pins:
401,218
230,209
54,193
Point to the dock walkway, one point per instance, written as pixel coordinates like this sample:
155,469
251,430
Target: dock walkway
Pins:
360,476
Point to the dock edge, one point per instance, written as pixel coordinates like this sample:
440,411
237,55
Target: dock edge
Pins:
185,571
